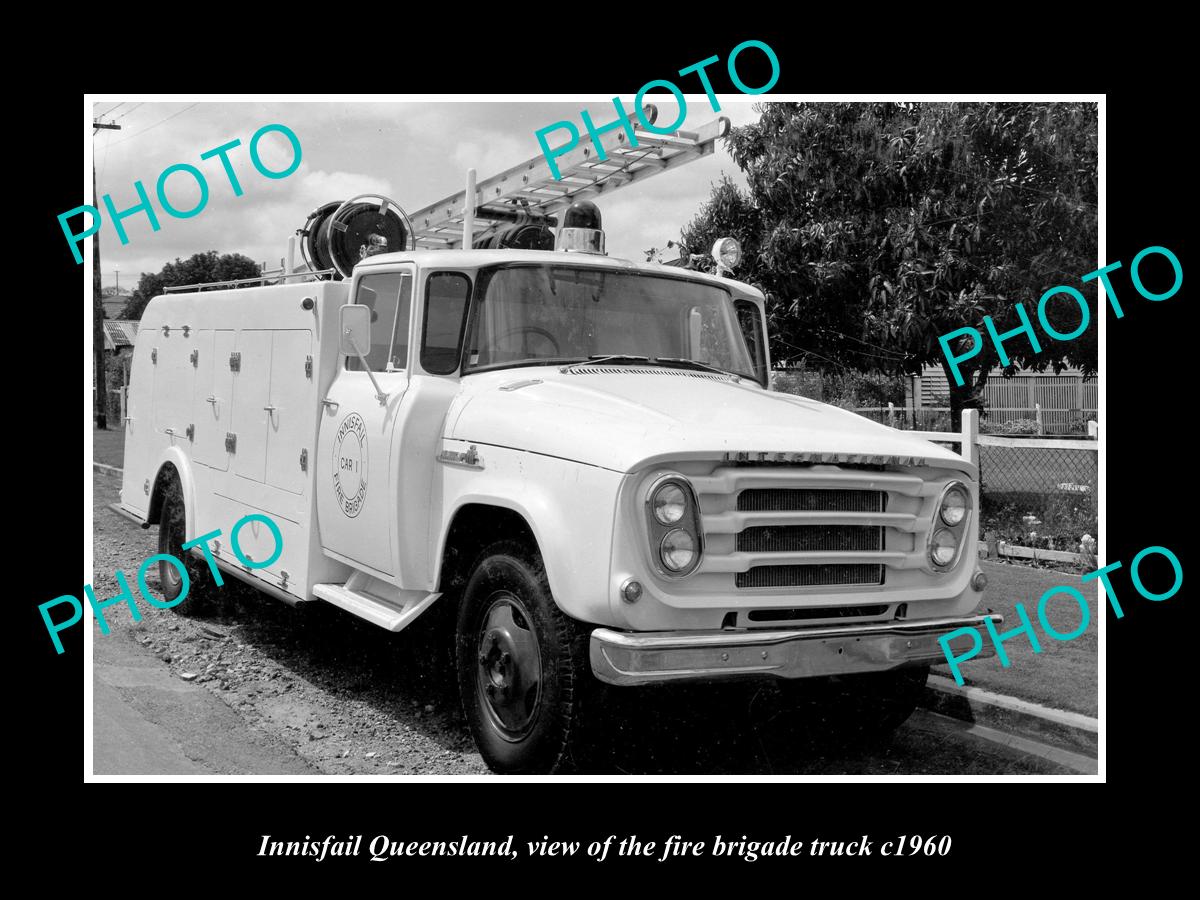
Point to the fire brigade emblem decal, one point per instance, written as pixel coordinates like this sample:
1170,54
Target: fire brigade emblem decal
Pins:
350,464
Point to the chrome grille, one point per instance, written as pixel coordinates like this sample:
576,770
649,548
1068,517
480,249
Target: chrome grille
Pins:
814,528
802,538
810,576
810,538
810,500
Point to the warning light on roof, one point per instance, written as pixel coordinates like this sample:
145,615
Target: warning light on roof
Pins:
582,229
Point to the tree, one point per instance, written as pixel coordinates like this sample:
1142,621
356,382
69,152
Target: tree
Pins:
729,212
196,269
886,225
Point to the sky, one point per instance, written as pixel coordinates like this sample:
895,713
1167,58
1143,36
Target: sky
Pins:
414,152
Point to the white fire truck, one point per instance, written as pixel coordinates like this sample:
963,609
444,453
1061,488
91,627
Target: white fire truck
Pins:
578,457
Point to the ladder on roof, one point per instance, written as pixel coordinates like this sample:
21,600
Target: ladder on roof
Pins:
531,189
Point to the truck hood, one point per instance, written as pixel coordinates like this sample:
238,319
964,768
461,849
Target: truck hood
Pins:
624,418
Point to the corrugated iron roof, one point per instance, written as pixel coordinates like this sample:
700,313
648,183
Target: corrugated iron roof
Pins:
119,333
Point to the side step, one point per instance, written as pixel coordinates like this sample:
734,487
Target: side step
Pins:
376,601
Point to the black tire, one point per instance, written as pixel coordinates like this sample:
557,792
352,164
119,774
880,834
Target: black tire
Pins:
858,708
522,665
203,593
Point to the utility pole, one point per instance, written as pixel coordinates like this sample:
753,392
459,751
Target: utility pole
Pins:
100,405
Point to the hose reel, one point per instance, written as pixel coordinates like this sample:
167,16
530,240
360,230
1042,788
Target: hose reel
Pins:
338,235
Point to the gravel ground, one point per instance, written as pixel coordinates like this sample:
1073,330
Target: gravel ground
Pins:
349,697
339,696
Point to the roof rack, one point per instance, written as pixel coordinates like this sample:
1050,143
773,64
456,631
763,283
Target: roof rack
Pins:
262,279
531,189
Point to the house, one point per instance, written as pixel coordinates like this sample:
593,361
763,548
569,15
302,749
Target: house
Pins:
119,335
114,302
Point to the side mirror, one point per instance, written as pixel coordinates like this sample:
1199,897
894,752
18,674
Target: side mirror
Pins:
354,325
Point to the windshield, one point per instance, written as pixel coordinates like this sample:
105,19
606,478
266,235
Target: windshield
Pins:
539,315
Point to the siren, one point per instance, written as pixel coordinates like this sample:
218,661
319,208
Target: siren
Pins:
339,235
582,229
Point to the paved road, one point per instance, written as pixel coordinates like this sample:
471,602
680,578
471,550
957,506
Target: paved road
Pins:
266,689
146,721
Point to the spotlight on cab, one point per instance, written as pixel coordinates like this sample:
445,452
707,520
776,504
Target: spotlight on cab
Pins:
727,253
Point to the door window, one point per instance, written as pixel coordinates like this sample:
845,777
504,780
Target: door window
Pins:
751,324
446,296
388,296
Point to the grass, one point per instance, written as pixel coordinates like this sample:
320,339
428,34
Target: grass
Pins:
1064,674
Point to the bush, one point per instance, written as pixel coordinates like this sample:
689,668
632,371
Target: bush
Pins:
847,390
113,375
1058,520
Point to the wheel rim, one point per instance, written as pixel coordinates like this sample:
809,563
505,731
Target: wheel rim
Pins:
509,667
168,575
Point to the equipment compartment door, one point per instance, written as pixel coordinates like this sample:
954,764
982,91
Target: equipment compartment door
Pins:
251,397
212,402
290,424
173,380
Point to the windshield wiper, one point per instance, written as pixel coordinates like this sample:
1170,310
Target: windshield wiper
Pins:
597,359
680,361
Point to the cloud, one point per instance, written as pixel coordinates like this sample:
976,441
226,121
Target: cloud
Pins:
490,153
414,152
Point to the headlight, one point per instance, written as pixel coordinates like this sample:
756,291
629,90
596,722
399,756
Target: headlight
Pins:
956,502
669,503
943,547
678,550
673,524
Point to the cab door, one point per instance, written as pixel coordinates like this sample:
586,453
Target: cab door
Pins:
356,474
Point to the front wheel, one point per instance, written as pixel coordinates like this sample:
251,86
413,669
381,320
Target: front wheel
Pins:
522,664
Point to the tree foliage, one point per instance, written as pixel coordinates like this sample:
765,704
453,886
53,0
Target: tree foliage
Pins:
875,228
729,212
196,269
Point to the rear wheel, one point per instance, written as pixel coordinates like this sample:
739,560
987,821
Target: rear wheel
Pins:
202,597
522,664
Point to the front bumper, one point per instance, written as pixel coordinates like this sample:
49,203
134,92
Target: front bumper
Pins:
625,658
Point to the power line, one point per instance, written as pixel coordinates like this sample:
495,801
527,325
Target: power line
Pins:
851,337
156,124
842,366
106,112
127,112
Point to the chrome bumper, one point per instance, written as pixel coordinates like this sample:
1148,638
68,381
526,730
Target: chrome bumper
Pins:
622,657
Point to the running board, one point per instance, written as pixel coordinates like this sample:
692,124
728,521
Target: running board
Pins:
389,614
122,511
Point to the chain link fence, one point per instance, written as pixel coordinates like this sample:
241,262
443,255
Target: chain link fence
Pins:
1030,494
1039,496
